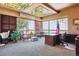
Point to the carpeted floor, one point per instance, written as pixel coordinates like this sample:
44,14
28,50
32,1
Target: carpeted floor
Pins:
36,48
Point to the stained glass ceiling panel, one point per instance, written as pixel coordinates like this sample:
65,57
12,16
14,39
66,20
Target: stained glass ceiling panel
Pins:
20,6
38,11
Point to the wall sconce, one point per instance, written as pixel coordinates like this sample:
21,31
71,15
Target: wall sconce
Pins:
76,22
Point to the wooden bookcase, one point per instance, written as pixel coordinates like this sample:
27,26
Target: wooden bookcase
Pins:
7,23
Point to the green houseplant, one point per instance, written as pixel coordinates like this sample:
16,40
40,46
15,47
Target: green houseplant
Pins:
15,35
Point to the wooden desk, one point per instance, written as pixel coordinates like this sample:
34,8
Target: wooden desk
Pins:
49,40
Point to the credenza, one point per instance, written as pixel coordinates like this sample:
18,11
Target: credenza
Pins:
77,47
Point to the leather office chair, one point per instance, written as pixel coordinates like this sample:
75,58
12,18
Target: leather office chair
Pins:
62,38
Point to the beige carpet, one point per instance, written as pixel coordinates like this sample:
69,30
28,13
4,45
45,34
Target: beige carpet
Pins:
37,48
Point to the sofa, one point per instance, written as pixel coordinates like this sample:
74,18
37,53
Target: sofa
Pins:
4,37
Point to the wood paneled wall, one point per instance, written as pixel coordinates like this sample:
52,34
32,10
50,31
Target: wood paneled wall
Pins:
38,26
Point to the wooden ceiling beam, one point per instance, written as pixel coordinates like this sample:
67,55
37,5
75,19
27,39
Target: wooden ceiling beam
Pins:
51,7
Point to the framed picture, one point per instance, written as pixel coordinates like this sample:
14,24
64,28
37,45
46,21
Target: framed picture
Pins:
76,21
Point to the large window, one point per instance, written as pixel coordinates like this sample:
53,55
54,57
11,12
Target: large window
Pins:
25,26
50,27
22,24
63,23
31,26
53,26
46,27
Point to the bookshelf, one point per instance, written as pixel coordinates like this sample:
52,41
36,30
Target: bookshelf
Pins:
7,23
